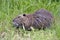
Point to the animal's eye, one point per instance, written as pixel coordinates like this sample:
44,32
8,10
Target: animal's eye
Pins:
24,14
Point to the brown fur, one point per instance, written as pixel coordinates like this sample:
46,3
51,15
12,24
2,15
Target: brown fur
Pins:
40,19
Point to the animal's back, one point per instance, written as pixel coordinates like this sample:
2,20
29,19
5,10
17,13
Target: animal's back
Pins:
43,18
43,13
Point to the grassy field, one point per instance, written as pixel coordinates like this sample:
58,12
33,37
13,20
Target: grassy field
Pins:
11,8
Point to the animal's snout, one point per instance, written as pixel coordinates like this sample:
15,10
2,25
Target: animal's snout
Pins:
15,23
13,20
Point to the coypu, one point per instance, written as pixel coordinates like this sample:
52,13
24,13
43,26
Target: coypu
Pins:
39,19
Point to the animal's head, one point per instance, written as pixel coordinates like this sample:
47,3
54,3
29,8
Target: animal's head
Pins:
18,21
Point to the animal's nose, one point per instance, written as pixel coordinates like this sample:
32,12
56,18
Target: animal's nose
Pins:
15,24
13,20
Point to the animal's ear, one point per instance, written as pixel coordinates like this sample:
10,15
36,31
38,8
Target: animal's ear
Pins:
24,14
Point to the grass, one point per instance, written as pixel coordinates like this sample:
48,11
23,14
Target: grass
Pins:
11,8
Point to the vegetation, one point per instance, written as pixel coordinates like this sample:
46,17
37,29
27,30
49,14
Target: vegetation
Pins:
11,8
